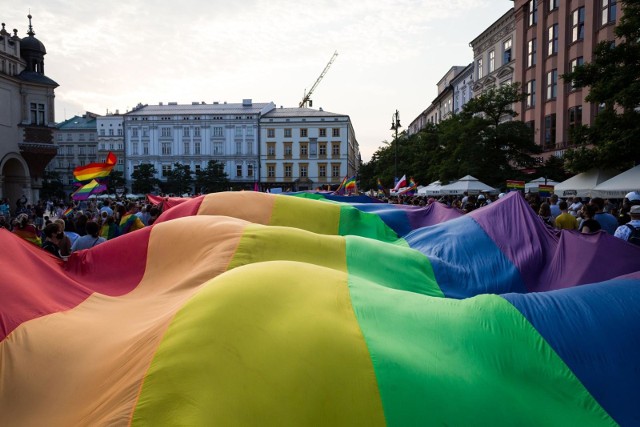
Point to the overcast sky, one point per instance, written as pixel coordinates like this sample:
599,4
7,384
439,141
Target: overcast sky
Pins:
112,55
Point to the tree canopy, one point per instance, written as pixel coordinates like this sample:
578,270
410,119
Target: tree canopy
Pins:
613,79
144,179
212,179
179,180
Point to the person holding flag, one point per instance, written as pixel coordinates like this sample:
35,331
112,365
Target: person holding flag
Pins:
410,189
401,183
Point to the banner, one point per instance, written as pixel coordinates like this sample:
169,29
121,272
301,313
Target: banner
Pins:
545,190
515,185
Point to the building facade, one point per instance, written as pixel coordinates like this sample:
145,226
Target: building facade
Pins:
494,54
77,146
556,36
27,115
462,85
110,138
165,134
305,149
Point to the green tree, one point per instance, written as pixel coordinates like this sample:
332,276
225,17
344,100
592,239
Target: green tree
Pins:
212,179
52,185
612,79
116,179
144,179
180,179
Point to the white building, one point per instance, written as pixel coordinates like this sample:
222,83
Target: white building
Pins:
111,138
494,54
192,135
462,85
305,149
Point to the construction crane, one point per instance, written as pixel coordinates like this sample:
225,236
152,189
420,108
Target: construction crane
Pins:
306,100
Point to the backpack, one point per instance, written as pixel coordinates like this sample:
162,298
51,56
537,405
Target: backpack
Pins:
634,237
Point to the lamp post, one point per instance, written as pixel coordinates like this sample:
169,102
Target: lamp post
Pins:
395,125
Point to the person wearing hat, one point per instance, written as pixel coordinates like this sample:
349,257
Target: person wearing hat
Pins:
626,231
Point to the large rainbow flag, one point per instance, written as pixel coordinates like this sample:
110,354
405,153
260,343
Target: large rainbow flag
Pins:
95,170
250,308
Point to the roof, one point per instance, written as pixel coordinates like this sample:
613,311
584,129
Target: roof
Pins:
236,108
33,77
79,123
300,112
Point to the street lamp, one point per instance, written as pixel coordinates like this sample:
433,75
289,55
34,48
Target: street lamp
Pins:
395,125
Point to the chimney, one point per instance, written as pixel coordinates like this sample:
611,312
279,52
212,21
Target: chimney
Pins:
247,102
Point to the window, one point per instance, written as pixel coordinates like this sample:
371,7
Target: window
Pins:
553,4
335,171
532,10
608,11
145,148
69,137
134,132
287,171
250,131
575,120
165,131
134,148
92,137
322,171
166,148
492,61
185,132
166,170
550,130
287,149
145,132
271,150
37,114
322,133
531,93
218,148
250,171
119,132
531,52
552,84
480,70
81,137
577,24
287,133
198,169
271,171
196,132
506,52
217,131
572,66
303,170
238,171
335,149
303,133
335,132
238,147
304,150
110,132
238,131
322,149
271,133
101,132
186,147
553,40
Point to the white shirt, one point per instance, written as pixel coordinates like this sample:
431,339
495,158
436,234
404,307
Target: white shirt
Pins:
623,232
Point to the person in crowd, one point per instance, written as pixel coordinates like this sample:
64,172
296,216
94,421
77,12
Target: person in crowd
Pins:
81,224
589,224
627,231
607,222
109,228
154,213
4,223
553,206
565,221
24,228
51,239
89,240
130,221
576,206
64,242
545,214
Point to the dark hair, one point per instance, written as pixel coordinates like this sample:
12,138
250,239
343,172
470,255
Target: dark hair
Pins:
51,229
598,202
589,210
562,205
92,228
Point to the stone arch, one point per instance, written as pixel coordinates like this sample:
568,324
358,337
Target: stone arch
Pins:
15,180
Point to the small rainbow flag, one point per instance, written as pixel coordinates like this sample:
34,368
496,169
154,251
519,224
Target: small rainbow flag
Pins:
340,189
411,188
350,185
95,170
87,190
68,212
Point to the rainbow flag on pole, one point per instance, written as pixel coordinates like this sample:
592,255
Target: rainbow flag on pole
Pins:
93,187
340,189
95,170
410,189
350,186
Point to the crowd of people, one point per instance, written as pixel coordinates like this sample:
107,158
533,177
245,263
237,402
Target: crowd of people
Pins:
62,228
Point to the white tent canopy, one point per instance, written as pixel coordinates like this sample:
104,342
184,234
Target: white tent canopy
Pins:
431,189
582,184
532,186
467,184
618,186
